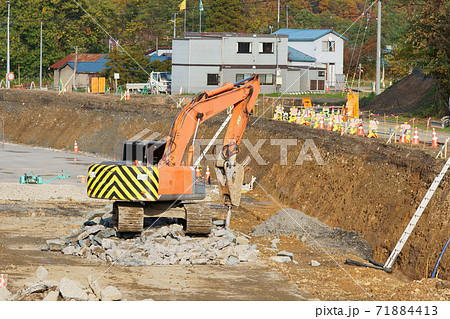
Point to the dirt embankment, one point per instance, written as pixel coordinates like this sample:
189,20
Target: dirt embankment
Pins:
365,185
413,93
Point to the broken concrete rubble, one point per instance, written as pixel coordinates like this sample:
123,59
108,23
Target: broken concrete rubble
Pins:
285,253
314,263
69,289
111,293
280,259
166,245
41,274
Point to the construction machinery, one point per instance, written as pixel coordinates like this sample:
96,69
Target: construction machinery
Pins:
157,178
160,82
36,179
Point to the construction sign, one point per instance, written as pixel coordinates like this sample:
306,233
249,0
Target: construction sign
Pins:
307,102
353,105
98,85
94,85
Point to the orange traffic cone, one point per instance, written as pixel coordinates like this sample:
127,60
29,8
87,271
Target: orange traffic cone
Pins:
402,138
322,124
415,140
330,124
2,280
197,171
127,96
434,141
75,147
360,130
208,175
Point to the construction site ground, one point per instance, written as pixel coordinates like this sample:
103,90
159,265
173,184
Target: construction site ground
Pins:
365,186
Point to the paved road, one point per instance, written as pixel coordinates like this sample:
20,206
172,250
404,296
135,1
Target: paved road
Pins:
15,160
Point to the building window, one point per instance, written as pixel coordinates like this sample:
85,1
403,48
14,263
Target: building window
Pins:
321,85
328,46
266,47
241,76
321,74
244,47
212,79
266,79
313,85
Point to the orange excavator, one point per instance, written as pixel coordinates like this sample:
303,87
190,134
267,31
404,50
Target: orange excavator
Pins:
149,182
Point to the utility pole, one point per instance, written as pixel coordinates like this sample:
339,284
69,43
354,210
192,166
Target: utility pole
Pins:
200,9
287,17
359,77
278,15
175,25
377,80
75,68
40,62
7,50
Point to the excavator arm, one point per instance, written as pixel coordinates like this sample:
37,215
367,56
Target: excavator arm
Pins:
242,97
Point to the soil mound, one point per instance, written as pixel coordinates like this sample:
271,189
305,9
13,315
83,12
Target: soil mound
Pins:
413,92
313,232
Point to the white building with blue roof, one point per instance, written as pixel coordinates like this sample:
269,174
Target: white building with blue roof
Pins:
204,61
321,48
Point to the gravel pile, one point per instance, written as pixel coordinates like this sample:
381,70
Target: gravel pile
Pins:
290,222
165,245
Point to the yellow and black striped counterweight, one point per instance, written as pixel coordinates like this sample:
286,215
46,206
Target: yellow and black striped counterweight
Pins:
123,182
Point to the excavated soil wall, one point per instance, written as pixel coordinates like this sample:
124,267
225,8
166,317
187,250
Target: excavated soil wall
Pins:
364,185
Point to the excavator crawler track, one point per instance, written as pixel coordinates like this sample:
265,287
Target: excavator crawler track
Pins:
198,219
128,218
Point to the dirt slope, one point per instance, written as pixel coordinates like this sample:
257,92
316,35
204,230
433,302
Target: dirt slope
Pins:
414,92
365,185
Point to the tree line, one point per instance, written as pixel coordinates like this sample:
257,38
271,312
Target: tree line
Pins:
414,32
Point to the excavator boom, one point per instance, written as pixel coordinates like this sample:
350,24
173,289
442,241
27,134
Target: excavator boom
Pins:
241,96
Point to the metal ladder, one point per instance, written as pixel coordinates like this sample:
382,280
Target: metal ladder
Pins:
398,248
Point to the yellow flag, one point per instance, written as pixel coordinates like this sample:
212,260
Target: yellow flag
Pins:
183,5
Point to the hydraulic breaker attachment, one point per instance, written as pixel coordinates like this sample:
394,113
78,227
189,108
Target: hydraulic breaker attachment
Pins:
230,178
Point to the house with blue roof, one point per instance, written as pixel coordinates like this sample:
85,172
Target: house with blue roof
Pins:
322,48
88,65
159,54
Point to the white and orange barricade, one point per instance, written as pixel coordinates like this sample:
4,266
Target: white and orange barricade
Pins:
293,114
404,136
278,115
354,126
373,129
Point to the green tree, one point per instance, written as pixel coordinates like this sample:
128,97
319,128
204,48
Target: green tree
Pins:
224,16
426,42
65,26
305,19
132,66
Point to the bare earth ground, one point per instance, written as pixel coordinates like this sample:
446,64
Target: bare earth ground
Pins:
365,186
21,255
263,280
